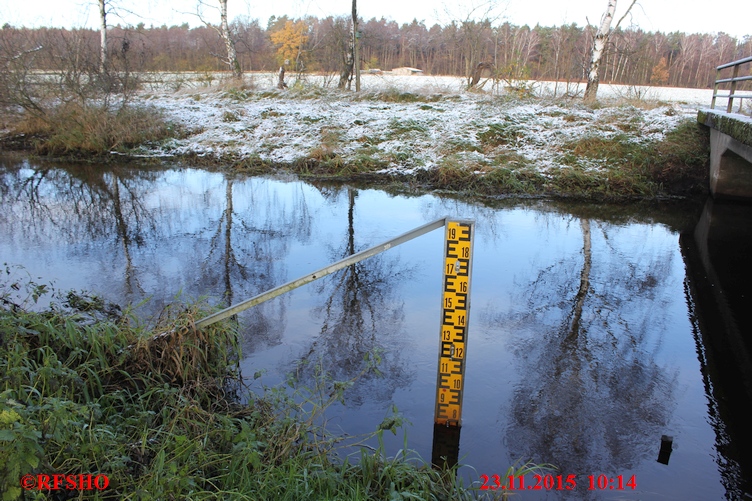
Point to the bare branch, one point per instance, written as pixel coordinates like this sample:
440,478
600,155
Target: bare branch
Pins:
629,9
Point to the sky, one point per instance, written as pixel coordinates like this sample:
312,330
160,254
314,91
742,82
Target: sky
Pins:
691,16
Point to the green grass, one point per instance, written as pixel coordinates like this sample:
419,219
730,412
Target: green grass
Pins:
230,116
399,127
86,388
612,160
252,164
594,167
624,119
311,120
455,173
270,114
679,163
617,149
500,134
394,95
334,166
367,161
676,165
428,107
513,181
371,140
456,145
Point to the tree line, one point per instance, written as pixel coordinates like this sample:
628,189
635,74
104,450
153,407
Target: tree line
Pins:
462,48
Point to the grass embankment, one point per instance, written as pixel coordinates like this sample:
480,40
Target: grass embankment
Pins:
475,144
673,166
86,390
493,146
90,131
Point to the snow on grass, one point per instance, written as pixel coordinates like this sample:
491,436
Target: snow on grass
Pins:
403,132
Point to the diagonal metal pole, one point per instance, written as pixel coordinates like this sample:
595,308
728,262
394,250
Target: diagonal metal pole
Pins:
327,270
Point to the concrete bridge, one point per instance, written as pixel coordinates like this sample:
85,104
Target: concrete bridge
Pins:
730,139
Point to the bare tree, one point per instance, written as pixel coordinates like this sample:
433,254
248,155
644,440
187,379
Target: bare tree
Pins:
345,75
102,35
473,44
17,59
232,58
351,56
473,32
106,7
510,53
224,33
251,42
599,45
356,49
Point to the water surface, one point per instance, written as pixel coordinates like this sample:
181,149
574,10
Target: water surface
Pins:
585,343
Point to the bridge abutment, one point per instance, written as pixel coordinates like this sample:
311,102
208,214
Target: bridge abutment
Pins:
730,153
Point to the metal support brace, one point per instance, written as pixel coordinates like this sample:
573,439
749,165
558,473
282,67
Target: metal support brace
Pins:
327,270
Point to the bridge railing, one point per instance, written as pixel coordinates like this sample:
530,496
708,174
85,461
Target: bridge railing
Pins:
735,78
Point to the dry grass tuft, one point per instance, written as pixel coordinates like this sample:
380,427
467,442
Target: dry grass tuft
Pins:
73,129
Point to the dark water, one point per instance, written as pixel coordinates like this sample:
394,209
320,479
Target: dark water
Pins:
594,330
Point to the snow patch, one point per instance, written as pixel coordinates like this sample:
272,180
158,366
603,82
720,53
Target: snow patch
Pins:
406,136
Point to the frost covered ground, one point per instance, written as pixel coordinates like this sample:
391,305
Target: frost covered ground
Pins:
403,124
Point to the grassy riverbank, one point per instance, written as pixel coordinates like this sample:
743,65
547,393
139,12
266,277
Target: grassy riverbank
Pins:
464,142
87,389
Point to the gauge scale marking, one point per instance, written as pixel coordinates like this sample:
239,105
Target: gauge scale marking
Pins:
455,307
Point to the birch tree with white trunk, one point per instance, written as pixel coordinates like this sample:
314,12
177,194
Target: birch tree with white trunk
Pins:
232,57
599,45
102,36
224,33
106,7
356,43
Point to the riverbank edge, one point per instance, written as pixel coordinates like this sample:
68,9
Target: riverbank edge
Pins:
661,171
673,168
611,161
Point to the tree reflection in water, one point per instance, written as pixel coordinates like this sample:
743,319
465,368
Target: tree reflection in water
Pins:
361,316
245,254
592,398
85,204
101,215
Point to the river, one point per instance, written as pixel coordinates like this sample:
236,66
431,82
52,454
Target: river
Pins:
603,339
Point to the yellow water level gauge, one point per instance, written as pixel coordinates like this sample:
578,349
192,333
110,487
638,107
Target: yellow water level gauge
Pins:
455,307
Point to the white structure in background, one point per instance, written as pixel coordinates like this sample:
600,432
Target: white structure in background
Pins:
406,71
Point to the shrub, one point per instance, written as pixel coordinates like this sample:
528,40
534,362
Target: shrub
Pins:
73,129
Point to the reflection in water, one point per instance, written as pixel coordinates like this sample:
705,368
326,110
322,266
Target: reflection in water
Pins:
591,396
717,255
112,219
246,245
361,317
124,232
445,449
83,203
